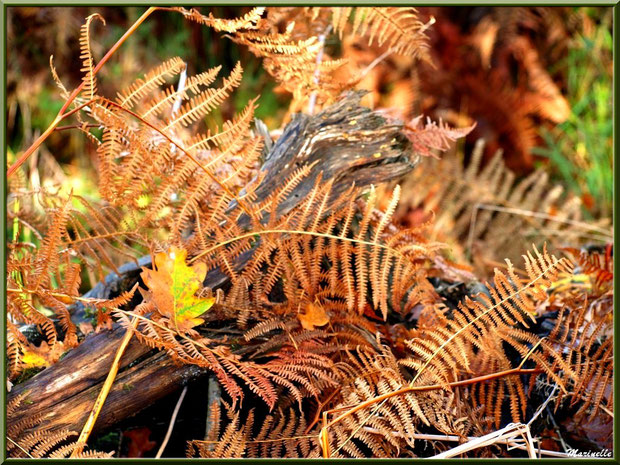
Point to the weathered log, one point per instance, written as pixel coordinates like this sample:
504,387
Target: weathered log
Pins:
347,143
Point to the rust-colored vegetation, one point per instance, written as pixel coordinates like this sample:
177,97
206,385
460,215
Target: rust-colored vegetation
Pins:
379,266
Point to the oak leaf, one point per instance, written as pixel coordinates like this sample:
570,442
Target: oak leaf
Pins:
173,285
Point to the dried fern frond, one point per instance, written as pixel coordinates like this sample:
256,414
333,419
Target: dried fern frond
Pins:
247,21
491,212
30,279
305,252
31,439
583,334
151,81
229,136
296,59
299,244
163,101
295,63
48,278
63,91
281,434
79,230
578,356
425,138
301,76
472,341
309,21
291,42
161,174
396,27
511,301
89,91
389,428
206,101
141,144
296,373
105,233
596,264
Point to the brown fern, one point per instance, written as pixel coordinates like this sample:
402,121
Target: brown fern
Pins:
28,439
432,136
50,276
295,57
313,290
89,90
466,344
596,264
152,80
396,27
511,301
282,434
247,21
489,210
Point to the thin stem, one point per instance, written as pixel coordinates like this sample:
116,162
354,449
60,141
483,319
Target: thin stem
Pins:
89,300
303,233
20,447
454,438
374,63
526,213
79,107
317,69
317,416
35,145
171,425
509,432
177,333
76,126
263,441
105,390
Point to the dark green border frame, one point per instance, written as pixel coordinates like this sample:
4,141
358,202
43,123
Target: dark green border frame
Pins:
3,42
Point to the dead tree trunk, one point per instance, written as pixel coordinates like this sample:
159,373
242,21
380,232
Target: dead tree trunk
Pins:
347,143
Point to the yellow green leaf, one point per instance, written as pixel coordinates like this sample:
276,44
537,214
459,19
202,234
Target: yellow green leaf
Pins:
173,286
31,359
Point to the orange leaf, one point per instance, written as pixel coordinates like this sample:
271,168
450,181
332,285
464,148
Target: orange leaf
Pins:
315,316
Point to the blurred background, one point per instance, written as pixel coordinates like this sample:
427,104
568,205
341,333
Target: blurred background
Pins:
537,82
